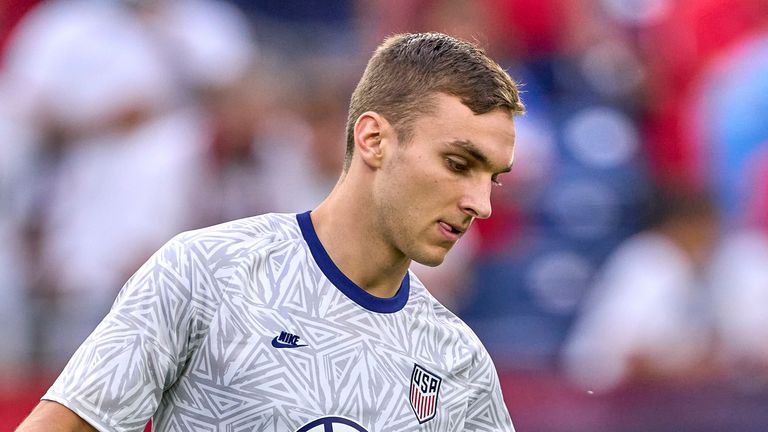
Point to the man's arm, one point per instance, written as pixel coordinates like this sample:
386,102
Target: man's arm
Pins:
51,416
136,352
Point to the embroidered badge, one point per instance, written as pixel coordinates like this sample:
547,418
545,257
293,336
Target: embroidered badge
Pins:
425,387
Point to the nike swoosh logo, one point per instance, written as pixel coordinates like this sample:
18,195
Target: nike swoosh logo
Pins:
278,344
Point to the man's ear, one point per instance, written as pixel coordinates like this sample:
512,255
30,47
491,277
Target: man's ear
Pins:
371,130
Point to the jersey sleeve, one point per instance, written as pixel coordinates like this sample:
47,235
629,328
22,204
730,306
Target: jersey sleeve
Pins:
115,380
486,410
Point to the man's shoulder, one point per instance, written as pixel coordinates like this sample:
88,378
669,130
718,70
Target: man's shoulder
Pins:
243,235
441,315
277,226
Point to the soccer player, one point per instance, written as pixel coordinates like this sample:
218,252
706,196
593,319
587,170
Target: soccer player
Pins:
313,322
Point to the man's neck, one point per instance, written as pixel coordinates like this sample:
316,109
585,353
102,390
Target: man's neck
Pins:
345,226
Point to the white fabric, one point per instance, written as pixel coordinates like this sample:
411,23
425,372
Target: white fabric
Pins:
192,339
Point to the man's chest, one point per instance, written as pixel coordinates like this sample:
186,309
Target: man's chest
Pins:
276,367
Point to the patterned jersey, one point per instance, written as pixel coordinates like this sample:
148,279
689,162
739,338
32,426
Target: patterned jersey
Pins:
249,326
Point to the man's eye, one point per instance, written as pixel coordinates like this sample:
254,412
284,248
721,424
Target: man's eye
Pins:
455,165
495,181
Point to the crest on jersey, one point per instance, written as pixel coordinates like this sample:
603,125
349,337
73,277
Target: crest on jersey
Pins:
425,387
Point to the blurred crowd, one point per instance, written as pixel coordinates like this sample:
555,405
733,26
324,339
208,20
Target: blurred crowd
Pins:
630,242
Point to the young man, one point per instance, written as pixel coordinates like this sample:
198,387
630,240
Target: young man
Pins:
312,322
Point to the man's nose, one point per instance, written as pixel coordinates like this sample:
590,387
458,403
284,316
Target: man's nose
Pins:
476,201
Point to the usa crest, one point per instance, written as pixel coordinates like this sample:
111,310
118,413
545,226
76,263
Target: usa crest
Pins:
425,388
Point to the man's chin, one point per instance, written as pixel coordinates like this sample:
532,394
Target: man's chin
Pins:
432,259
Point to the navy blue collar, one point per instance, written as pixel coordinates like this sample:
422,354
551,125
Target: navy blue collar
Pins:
342,282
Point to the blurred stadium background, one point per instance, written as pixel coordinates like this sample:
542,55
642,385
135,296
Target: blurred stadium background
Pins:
620,286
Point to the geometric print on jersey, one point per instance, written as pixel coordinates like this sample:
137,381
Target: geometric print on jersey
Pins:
189,342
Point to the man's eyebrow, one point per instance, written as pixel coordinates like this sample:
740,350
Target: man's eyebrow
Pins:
477,154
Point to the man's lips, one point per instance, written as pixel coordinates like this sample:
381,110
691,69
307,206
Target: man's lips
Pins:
450,231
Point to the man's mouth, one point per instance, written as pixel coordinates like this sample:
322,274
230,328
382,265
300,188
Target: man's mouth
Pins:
453,228
451,231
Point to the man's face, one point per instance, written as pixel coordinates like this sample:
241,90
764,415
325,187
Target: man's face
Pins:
429,190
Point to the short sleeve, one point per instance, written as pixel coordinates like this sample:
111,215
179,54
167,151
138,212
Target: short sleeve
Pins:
115,380
486,410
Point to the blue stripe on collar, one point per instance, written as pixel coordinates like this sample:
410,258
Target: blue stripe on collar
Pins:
342,282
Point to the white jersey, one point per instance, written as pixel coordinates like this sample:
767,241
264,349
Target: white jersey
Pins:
249,326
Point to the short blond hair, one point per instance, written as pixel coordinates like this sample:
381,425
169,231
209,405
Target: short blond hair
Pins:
406,71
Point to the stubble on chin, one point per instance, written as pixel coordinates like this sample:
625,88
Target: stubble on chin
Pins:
431,255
